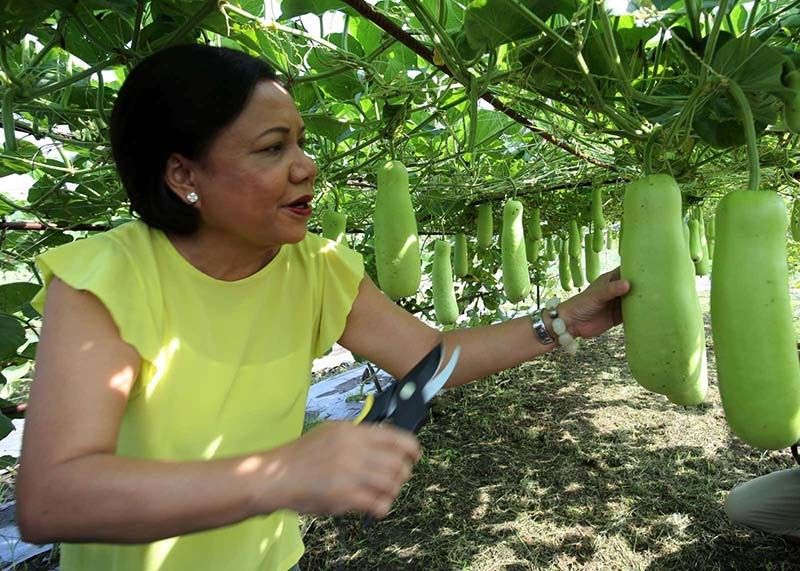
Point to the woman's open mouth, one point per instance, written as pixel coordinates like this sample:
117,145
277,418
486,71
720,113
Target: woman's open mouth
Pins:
301,206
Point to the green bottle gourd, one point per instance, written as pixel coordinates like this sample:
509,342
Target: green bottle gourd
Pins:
575,268
751,320
662,319
445,305
574,238
550,249
533,237
516,276
702,267
695,249
710,237
592,260
564,275
461,255
485,226
397,255
794,226
334,225
598,221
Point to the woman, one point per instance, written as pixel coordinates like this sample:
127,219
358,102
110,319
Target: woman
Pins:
164,424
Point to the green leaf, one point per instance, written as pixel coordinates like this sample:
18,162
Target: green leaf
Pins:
326,126
6,427
491,124
718,124
294,8
13,296
631,33
491,23
12,335
367,33
754,65
30,351
20,16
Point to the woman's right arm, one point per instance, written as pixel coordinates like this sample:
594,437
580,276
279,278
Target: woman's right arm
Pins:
72,487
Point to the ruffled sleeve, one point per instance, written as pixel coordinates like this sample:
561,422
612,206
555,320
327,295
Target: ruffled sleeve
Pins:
106,268
341,271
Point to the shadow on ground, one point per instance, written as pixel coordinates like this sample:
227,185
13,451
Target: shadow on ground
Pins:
564,463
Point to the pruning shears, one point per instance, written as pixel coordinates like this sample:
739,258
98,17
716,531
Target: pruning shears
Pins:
405,404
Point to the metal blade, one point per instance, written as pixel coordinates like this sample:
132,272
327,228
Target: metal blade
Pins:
440,379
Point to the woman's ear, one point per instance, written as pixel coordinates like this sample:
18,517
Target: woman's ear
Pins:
179,177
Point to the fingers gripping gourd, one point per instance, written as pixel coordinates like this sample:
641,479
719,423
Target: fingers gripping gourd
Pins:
516,276
396,242
444,298
564,275
334,225
485,226
592,260
664,336
461,256
751,320
598,221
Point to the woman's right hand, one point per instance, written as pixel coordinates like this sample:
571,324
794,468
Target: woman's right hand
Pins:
341,467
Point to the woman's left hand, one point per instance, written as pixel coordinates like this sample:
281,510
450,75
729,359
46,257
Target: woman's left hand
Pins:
597,308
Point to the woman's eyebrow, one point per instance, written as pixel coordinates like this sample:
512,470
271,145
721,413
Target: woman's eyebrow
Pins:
280,130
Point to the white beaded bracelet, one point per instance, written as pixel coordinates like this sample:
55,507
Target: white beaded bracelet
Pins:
565,339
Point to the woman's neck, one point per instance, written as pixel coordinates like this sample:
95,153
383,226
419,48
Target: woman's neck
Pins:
223,258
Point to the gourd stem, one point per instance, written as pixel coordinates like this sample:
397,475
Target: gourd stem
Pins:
746,115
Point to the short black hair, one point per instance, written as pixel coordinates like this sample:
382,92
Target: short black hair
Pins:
176,101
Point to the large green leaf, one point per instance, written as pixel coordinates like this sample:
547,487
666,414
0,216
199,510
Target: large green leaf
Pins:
491,23
12,335
326,126
15,295
20,16
754,65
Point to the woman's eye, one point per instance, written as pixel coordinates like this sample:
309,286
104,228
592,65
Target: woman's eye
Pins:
272,149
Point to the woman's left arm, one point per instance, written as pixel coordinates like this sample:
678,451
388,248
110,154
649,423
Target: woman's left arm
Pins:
395,340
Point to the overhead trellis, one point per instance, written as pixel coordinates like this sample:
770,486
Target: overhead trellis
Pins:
533,99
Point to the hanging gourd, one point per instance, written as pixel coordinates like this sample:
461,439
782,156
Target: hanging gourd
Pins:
445,305
334,225
516,276
664,335
397,256
485,226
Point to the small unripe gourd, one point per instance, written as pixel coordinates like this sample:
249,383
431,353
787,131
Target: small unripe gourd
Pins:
334,225
444,298
461,256
574,239
516,276
592,260
564,275
598,221
485,226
